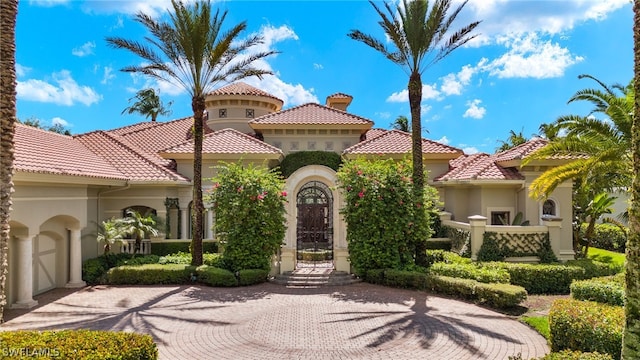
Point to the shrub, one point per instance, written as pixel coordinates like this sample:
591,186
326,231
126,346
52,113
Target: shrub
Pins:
252,276
606,290
405,279
594,268
470,271
435,256
150,274
168,248
374,276
586,326
249,204
569,355
495,295
296,160
541,279
77,344
176,258
607,236
386,226
439,244
93,270
215,276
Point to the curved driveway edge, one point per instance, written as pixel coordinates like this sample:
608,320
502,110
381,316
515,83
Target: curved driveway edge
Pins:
269,321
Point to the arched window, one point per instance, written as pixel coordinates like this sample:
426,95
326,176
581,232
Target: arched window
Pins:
549,208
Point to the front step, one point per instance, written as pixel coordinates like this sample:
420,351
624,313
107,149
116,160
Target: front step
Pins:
315,278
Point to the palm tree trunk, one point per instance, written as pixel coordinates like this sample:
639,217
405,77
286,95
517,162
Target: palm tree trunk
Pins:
415,98
631,336
8,14
197,210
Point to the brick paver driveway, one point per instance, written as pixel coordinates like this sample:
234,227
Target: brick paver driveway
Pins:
270,321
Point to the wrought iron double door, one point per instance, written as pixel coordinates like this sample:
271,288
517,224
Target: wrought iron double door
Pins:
314,224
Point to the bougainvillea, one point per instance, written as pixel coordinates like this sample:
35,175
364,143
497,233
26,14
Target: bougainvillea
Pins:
385,223
250,215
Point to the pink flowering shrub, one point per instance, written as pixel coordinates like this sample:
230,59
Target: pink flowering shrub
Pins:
249,209
385,223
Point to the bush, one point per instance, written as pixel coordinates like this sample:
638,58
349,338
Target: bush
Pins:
250,214
586,326
151,274
213,276
569,355
439,244
296,160
374,276
168,248
495,295
594,268
436,256
77,344
405,279
470,271
606,290
607,236
252,276
541,279
94,270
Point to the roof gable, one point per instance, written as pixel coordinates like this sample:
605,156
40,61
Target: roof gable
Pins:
310,114
399,142
241,88
225,141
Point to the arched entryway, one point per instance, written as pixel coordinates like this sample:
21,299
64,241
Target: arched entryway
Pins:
314,226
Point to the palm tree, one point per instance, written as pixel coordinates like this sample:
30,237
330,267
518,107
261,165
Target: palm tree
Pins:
401,123
512,141
136,225
631,335
191,51
110,232
600,205
420,38
599,149
148,103
8,14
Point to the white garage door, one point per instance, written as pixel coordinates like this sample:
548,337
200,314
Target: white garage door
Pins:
44,271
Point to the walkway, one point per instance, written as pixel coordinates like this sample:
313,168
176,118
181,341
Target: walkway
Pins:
269,321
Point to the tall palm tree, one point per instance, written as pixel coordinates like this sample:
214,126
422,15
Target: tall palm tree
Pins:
513,140
191,51
8,14
631,335
420,37
600,148
148,103
401,123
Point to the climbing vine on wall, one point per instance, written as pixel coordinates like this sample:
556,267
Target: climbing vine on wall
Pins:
460,240
498,246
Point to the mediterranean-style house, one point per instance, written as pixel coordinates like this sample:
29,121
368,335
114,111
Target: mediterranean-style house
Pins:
65,185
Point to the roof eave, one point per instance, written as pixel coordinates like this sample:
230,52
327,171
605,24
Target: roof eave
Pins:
42,177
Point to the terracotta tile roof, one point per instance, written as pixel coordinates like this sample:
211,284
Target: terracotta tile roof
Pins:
240,88
375,132
132,161
311,114
40,151
398,142
226,141
521,151
479,166
339,95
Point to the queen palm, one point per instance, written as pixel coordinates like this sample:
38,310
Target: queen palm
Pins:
147,103
631,335
401,123
136,225
600,148
420,37
8,13
191,51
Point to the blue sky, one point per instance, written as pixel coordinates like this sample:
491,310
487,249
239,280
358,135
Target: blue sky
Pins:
518,73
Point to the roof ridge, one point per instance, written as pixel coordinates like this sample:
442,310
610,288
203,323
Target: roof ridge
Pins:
42,130
154,124
249,137
258,119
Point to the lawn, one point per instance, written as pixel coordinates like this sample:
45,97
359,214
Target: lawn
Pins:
606,256
540,323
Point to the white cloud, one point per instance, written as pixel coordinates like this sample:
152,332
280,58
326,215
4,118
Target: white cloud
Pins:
443,140
21,70
85,49
425,109
108,75
383,115
60,121
48,3
469,150
474,109
65,92
428,92
452,84
291,94
530,57
318,66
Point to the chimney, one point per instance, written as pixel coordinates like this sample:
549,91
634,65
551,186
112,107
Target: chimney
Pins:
339,101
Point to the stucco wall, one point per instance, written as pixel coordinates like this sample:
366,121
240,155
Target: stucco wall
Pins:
289,143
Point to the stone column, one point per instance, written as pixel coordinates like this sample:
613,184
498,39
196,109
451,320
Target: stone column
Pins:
184,222
562,251
75,260
478,224
24,278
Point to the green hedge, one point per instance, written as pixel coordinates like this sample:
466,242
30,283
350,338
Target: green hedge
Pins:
94,270
77,344
594,268
569,355
210,259
471,271
167,248
436,256
439,244
606,290
405,279
586,326
541,279
150,274
607,237
296,160
495,295
213,276
252,276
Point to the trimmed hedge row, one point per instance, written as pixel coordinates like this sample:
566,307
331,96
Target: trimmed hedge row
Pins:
213,276
607,237
77,344
606,290
586,326
166,248
594,268
152,274
541,279
436,256
94,270
210,259
471,271
569,355
252,276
